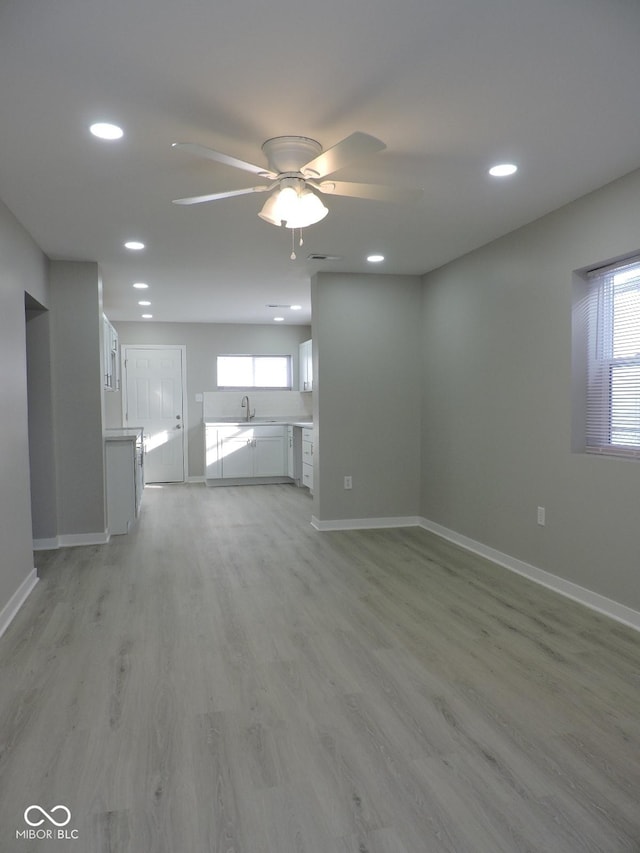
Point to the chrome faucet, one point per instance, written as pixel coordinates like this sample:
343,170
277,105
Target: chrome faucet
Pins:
245,402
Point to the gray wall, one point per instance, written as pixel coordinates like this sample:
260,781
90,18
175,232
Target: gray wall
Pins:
76,354
203,342
22,270
51,457
497,389
366,343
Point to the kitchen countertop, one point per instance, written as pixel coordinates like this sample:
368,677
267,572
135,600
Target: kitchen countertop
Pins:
281,420
123,433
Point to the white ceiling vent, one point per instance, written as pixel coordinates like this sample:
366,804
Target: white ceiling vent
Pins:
320,257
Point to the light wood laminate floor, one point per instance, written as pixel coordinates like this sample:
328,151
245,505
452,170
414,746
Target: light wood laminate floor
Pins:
225,678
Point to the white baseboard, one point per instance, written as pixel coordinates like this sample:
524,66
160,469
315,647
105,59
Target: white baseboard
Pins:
593,600
365,523
9,611
196,479
69,540
46,544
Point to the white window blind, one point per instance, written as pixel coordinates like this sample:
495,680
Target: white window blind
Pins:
613,342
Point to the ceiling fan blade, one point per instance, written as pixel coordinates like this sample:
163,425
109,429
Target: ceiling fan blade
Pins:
375,192
351,148
218,156
198,199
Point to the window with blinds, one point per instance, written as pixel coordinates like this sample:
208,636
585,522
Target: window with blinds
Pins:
613,359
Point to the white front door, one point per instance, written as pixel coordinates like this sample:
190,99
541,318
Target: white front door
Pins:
153,399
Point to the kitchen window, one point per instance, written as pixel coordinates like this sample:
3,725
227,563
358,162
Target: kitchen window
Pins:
250,372
613,359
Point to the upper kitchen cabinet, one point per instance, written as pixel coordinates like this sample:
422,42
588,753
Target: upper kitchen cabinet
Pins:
111,357
306,367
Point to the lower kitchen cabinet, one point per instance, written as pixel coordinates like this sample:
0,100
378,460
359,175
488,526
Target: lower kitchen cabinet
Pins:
291,457
269,458
307,457
251,452
236,454
125,478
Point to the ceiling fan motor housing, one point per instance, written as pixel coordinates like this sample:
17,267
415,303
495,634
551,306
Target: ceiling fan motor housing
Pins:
290,153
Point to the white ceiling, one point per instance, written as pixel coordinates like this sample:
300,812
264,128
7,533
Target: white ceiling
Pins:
451,87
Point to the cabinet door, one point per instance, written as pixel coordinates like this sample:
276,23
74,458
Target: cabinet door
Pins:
291,468
121,485
307,458
115,361
307,476
110,355
236,455
212,457
106,354
306,368
269,457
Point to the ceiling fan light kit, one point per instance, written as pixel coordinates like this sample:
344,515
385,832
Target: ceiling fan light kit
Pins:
293,205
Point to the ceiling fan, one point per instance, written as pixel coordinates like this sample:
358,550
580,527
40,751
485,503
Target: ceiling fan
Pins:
297,170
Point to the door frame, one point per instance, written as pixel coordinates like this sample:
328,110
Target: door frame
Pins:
185,399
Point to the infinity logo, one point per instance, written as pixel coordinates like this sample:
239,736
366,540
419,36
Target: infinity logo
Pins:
49,816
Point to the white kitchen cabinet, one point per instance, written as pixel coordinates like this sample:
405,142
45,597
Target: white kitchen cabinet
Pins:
306,367
246,452
291,459
307,457
124,461
269,459
212,457
111,357
236,453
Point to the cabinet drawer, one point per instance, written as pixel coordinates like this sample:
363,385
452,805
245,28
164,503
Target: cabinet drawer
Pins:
269,431
307,476
307,433
307,452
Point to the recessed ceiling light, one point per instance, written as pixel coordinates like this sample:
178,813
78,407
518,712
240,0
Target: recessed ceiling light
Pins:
503,170
375,259
147,316
141,285
278,319
296,307
104,130
134,245
144,302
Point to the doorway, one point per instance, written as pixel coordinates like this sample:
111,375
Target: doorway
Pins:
153,398
44,518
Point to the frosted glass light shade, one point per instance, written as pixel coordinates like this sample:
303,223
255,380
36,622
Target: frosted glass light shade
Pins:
269,210
307,210
293,210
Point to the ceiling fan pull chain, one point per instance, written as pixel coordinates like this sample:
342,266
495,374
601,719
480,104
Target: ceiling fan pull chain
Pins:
293,248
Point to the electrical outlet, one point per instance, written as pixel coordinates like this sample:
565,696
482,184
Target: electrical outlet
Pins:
541,516
348,482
